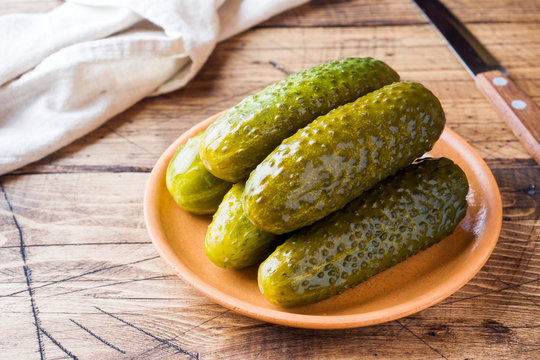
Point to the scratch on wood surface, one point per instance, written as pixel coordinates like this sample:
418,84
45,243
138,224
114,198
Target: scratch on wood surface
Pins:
490,292
128,140
81,244
163,341
97,337
27,275
84,274
112,284
422,340
135,298
58,344
84,169
515,289
279,67
185,332
510,164
206,321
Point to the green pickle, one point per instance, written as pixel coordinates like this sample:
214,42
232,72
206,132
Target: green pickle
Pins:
189,182
403,215
338,156
240,139
232,241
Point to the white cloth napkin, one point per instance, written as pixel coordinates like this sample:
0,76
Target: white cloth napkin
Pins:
65,72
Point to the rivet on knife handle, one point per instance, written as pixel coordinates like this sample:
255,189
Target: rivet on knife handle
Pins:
516,108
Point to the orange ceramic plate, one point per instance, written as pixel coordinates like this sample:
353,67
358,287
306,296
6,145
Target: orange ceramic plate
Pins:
415,284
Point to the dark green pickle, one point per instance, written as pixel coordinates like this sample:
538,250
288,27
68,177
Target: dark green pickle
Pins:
341,154
403,215
232,241
240,139
189,182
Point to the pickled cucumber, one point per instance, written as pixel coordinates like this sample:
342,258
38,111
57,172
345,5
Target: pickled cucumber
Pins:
232,241
241,138
403,215
341,154
190,184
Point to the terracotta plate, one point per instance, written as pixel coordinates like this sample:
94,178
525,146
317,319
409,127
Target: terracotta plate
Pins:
413,285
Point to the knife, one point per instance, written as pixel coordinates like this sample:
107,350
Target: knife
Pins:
519,111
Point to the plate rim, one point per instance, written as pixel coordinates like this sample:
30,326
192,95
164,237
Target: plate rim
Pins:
439,293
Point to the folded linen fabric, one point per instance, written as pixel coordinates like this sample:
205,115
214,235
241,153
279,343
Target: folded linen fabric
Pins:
65,72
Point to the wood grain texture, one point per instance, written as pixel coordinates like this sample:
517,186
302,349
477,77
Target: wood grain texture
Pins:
79,277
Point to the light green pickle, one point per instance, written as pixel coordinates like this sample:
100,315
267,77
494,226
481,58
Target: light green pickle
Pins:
341,154
403,215
232,241
240,139
189,182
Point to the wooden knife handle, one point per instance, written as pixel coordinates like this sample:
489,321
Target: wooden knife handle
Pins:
516,108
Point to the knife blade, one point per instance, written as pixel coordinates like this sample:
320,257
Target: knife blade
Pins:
519,111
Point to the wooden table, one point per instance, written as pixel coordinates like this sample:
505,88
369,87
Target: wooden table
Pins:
79,277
